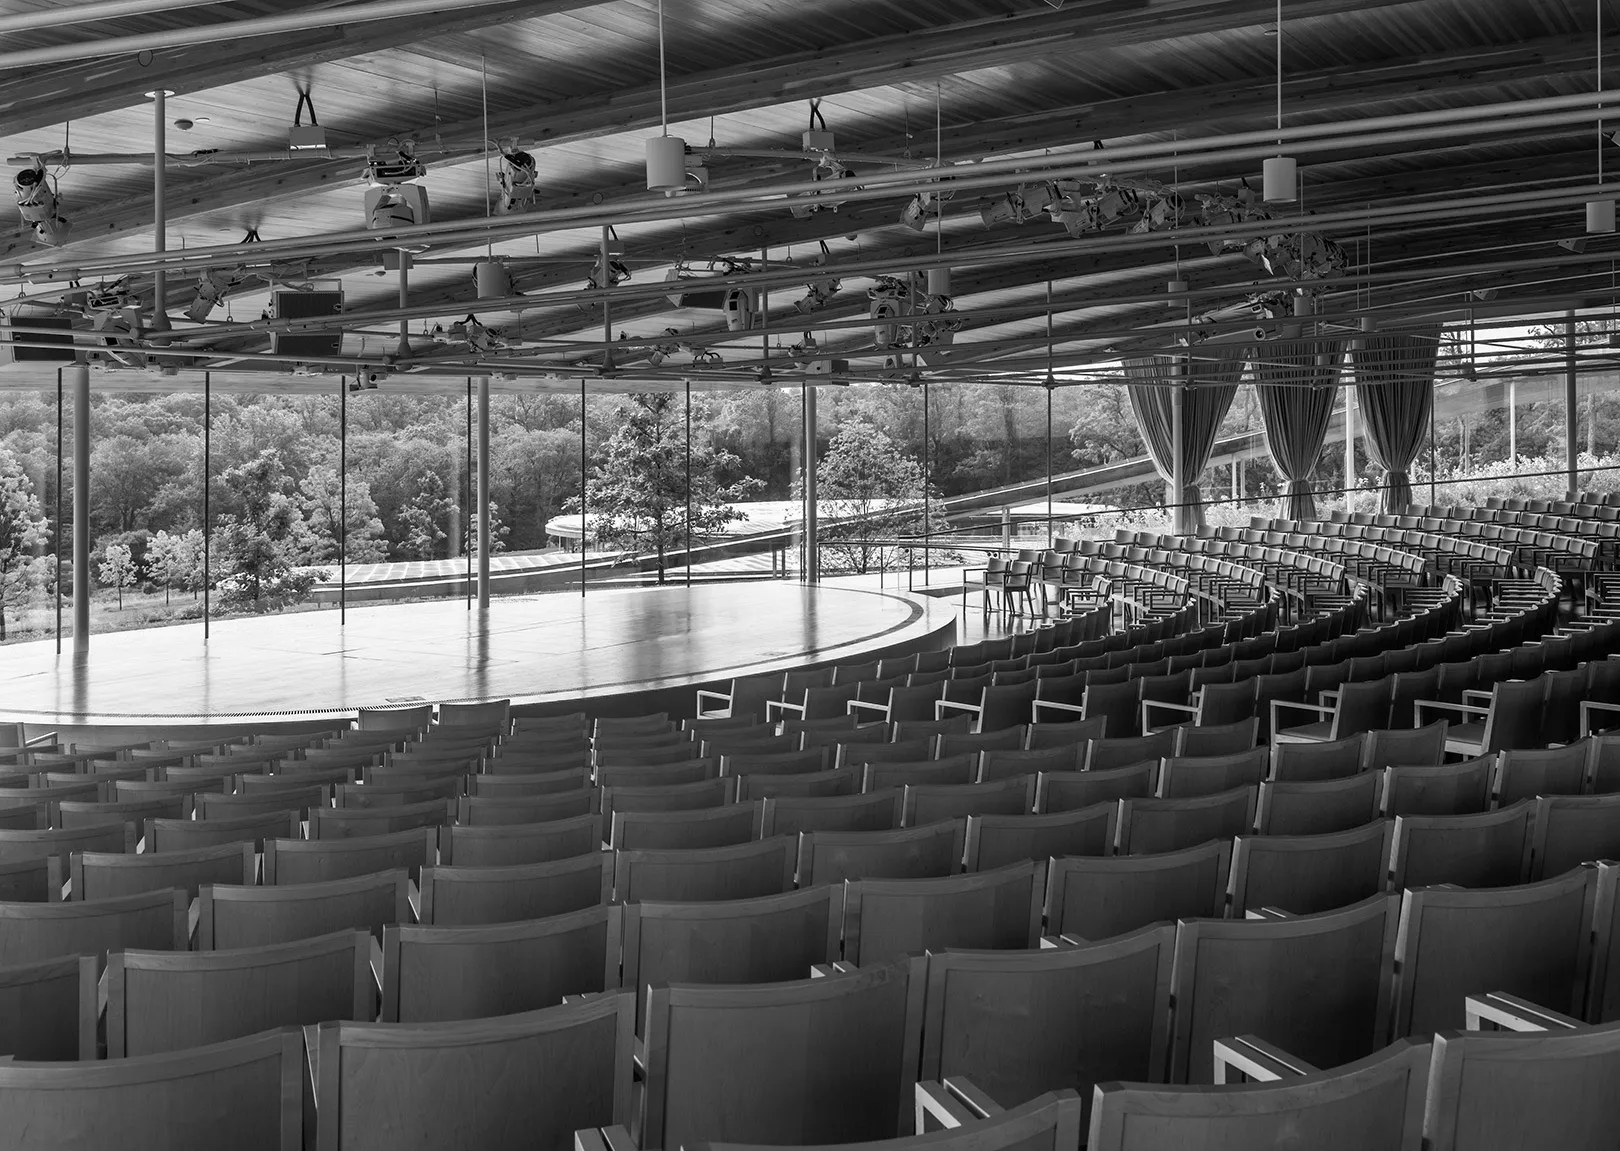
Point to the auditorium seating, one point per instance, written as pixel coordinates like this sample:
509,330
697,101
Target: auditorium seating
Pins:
1003,905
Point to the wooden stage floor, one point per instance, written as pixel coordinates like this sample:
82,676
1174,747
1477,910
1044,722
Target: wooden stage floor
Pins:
635,646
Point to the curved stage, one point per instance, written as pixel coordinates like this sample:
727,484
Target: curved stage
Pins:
624,650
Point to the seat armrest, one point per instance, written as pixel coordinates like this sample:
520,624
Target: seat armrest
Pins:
1267,913
781,705
1500,1011
1250,1058
1421,705
717,696
939,1109
941,704
614,1138
855,705
1055,942
1053,705
980,1105
1588,706
1315,708
1473,695
1161,705
827,970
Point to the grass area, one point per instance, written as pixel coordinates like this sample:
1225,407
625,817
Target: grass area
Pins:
140,610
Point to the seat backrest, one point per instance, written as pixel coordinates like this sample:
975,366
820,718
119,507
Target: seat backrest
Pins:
1302,874
1515,715
996,840
885,919
1574,829
1204,775
767,939
245,1093
1102,754
1459,788
1491,849
1223,739
742,871
956,769
911,852
33,932
702,827
1057,791
1529,940
1161,825
726,1064
451,1082
1317,807
1362,707
1312,762
1409,747
1314,985
1017,1023
791,814
1095,898
930,803
164,1001
106,875
236,917
1493,1089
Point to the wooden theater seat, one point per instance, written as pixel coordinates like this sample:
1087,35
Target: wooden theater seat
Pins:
460,896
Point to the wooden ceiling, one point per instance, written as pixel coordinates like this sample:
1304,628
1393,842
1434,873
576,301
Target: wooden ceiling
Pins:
1427,213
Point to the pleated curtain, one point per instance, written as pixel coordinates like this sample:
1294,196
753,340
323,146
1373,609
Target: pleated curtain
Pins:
1210,379
1295,381
1395,385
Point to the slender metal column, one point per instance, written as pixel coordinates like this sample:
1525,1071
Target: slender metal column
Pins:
208,526
343,500
607,315
1050,538
812,556
688,483
1349,447
1571,459
1180,513
584,531
483,493
80,375
160,208
56,541
467,486
928,505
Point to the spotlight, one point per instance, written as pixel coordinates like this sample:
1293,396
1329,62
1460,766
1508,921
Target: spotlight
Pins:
211,288
617,272
885,297
739,309
516,178
661,352
393,201
38,204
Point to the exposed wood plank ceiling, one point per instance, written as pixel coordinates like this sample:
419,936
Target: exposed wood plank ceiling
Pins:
1426,213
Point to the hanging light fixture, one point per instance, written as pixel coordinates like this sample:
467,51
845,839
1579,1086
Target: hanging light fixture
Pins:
666,154
1599,213
1280,174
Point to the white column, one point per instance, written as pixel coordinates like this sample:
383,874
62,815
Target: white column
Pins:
79,377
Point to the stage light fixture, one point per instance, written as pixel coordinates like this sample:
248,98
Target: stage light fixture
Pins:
303,137
662,352
516,178
211,288
39,205
739,309
884,307
393,201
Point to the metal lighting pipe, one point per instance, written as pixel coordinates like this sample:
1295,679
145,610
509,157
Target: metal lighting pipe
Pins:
990,173
208,425
234,30
160,208
56,543
343,500
1570,377
85,13
812,511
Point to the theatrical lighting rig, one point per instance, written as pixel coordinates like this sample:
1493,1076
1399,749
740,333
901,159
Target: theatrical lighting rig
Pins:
885,298
472,333
39,205
303,137
516,178
662,352
393,200
211,288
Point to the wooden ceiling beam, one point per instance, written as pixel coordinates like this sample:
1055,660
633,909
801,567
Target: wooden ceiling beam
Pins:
911,58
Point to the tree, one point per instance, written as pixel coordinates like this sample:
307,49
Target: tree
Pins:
321,497
23,531
257,542
866,481
175,560
498,531
638,492
117,569
420,533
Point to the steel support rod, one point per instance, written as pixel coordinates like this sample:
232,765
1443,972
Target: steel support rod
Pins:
208,528
79,374
56,541
812,555
160,207
584,522
1571,415
343,500
1180,513
483,493
688,483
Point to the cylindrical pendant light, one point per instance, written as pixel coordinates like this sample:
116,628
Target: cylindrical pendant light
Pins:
666,163
1599,217
492,279
1177,291
1281,180
939,281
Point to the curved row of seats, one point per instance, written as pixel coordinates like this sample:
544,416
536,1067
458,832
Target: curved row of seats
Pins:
559,931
